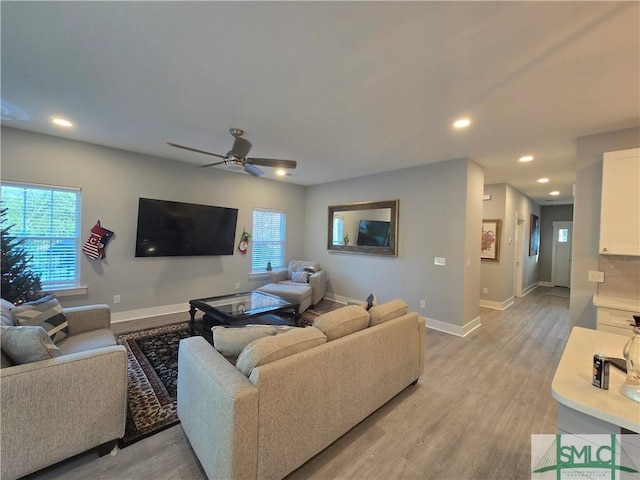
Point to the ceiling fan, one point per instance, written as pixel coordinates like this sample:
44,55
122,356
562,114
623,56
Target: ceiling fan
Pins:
236,158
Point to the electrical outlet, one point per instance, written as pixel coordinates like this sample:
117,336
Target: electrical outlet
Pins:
485,290
237,285
439,261
423,304
116,299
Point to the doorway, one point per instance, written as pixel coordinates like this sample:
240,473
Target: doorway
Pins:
561,255
517,265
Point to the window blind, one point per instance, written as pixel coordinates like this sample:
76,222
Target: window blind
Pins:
268,239
48,220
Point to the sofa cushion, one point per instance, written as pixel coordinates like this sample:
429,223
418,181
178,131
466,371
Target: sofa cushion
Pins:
7,318
343,321
301,276
269,349
27,344
45,312
230,341
86,341
387,311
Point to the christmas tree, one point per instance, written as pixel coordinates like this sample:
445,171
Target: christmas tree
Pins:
19,283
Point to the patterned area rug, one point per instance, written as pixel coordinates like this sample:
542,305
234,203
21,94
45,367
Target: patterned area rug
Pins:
152,373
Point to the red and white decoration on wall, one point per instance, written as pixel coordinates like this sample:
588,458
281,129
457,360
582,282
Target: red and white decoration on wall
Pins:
97,241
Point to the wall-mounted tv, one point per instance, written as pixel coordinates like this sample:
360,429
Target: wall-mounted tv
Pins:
373,233
175,229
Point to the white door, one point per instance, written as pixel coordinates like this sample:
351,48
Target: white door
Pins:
561,257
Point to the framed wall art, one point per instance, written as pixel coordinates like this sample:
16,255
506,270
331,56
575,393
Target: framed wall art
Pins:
490,240
534,235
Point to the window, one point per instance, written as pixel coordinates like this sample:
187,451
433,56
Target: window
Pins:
338,229
563,235
268,239
48,219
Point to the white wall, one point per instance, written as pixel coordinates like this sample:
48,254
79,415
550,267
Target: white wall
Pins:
437,218
112,181
586,217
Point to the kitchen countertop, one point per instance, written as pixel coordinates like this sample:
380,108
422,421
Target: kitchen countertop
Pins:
572,382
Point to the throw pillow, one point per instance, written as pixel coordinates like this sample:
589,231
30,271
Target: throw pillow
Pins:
269,349
45,312
387,311
311,269
371,301
343,321
300,277
27,344
7,318
230,341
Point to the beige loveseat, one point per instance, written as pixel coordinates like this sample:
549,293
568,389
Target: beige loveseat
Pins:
291,407
56,408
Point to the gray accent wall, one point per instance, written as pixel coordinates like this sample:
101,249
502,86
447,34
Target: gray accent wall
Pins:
586,217
440,210
112,181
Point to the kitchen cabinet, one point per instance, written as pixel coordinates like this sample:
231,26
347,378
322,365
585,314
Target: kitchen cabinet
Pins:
620,203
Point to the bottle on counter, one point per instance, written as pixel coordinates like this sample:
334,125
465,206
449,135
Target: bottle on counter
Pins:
631,386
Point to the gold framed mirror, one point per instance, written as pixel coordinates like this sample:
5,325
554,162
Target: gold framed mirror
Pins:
369,228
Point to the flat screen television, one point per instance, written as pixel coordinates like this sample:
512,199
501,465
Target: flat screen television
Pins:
176,229
373,233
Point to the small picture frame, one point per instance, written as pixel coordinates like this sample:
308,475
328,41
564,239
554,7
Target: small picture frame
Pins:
534,235
490,246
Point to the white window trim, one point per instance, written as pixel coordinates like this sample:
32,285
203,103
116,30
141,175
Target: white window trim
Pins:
62,290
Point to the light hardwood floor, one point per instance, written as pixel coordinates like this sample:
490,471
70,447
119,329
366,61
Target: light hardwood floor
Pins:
470,416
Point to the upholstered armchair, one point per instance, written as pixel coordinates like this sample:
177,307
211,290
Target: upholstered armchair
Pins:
317,278
55,408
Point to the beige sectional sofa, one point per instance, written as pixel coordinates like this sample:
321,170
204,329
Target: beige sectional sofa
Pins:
55,408
292,394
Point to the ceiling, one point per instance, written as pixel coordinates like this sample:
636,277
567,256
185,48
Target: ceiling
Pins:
345,88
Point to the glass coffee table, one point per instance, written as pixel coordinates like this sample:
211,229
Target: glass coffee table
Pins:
240,309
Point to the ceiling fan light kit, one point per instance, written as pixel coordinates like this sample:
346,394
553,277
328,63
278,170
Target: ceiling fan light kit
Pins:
236,158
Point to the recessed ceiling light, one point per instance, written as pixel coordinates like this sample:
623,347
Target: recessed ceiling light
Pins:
542,180
555,193
526,158
61,122
280,172
462,123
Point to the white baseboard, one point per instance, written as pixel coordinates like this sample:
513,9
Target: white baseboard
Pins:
341,299
530,288
546,284
453,329
150,312
497,305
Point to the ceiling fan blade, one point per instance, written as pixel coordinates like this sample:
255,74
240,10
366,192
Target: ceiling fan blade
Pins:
269,162
241,147
195,150
211,164
251,170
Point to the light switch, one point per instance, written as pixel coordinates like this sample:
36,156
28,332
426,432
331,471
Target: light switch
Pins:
596,276
439,261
